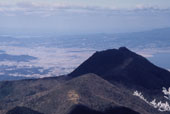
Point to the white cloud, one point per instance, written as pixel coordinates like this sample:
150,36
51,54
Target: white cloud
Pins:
53,8
59,60
39,7
142,6
149,52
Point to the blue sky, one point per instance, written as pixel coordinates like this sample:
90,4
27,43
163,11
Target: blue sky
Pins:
83,16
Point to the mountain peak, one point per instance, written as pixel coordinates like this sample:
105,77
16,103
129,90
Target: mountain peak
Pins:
125,67
123,49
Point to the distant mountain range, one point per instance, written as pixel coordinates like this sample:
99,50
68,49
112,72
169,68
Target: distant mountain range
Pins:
103,84
158,38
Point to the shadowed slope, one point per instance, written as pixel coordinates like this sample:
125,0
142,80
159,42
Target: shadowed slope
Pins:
80,109
22,110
